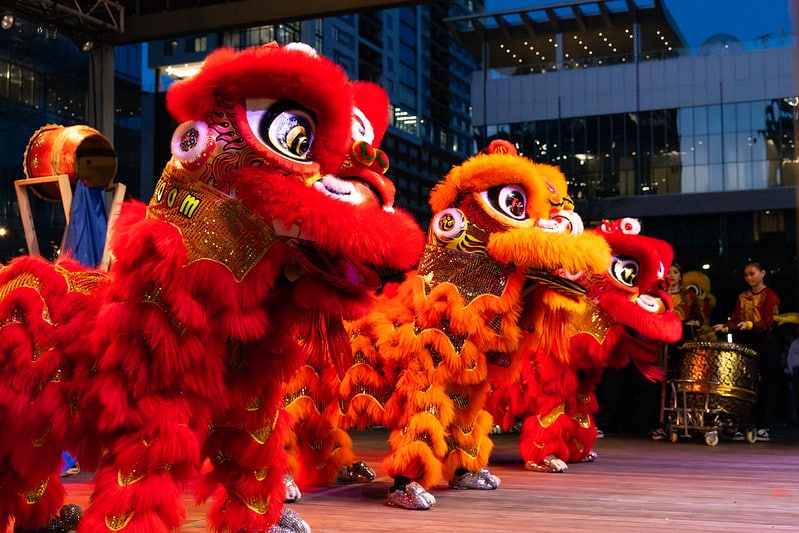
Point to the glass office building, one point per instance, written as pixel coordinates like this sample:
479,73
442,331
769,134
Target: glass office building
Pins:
699,144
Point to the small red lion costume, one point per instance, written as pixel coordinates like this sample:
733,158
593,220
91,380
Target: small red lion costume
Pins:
626,317
245,262
500,226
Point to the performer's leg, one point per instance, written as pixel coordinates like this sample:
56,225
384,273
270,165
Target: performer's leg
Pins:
250,465
469,441
418,443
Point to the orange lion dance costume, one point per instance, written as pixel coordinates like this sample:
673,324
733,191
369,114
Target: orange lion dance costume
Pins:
246,260
500,225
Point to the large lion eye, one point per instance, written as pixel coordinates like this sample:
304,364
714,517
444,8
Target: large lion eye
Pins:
282,126
508,200
361,127
625,271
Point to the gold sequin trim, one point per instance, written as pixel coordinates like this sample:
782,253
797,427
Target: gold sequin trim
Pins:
435,356
496,324
153,296
460,400
34,495
23,280
213,226
472,451
255,404
358,357
473,274
298,394
379,394
39,441
593,321
548,419
423,437
84,282
118,522
128,479
457,340
261,435
583,420
256,505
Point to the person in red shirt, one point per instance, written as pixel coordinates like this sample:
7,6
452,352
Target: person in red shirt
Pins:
751,324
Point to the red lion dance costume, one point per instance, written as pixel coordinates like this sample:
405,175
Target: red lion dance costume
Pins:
246,260
626,317
500,224
320,449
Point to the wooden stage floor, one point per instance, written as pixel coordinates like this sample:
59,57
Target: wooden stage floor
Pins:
636,484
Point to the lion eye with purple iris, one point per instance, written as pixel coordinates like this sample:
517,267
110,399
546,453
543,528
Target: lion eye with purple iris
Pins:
282,126
508,200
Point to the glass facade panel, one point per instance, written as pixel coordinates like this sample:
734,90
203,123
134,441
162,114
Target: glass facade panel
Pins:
692,150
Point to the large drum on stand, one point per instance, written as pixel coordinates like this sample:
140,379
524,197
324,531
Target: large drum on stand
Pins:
716,389
80,152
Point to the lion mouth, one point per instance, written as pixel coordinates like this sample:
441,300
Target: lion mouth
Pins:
364,189
559,281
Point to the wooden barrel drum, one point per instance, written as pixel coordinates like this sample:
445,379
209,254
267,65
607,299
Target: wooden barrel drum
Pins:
80,152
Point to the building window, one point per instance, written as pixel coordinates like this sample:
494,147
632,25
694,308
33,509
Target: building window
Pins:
196,44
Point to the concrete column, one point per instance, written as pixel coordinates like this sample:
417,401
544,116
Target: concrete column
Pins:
100,113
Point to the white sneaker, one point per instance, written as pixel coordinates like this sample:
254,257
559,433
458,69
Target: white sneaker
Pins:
762,434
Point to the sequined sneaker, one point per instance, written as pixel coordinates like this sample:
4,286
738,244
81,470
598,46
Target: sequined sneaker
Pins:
549,464
480,480
413,497
358,472
292,490
290,522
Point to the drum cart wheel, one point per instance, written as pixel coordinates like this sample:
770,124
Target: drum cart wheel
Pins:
712,437
751,435
674,436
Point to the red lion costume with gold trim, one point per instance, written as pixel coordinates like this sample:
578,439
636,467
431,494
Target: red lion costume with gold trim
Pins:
627,314
502,226
320,449
250,254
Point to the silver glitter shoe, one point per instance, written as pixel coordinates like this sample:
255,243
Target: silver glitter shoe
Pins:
358,472
549,464
480,480
290,522
591,457
413,497
292,490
